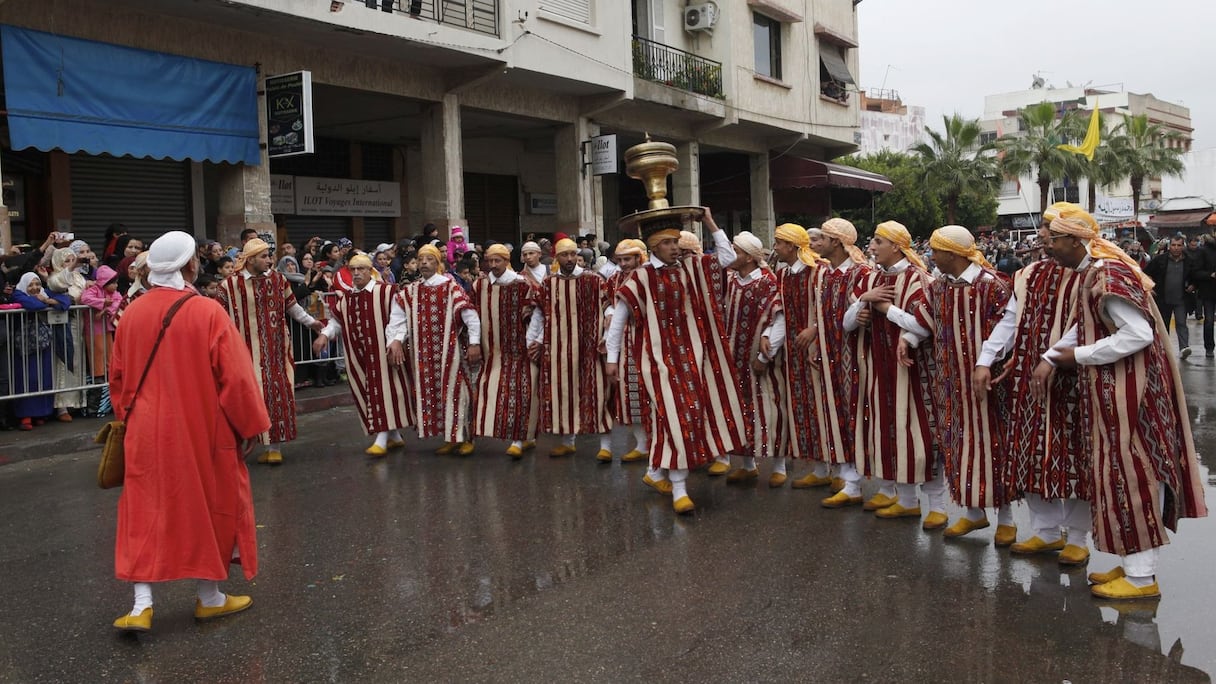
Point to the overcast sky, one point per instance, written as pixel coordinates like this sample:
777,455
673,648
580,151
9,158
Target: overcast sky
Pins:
946,55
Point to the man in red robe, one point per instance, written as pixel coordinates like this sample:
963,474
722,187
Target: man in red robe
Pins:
895,423
1137,433
685,362
381,389
835,351
260,301
750,292
567,331
186,509
434,314
505,405
968,302
625,401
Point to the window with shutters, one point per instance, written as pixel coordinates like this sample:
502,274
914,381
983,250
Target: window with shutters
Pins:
766,34
578,11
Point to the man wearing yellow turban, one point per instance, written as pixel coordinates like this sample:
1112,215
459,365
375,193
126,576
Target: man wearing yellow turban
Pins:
896,432
625,405
1141,455
835,385
798,265
565,337
381,389
435,317
968,301
260,302
684,364
506,406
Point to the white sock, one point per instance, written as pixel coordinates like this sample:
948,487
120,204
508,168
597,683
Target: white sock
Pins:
1004,515
606,442
568,440
381,439
908,498
819,469
678,481
517,444
209,594
643,439
887,489
655,474
722,459
749,463
779,465
143,597
852,479
976,514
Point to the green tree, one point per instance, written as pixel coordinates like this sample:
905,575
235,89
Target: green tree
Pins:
977,208
1143,151
954,163
907,202
1036,152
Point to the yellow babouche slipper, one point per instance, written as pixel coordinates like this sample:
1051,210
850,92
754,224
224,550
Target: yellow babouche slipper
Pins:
447,448
718,468
742,475
663,486
811,480
375,450
683,505
964,526
1037,545
604,456
515,451
934,521
232,604
897,511
1108,576
635,456
465,449
562,450
777,479
1005,535
135,623
1072,554
840,500
396,443
1122,589
879,501
529,445
272,457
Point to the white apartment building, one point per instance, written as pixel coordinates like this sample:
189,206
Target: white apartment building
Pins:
477,113
887,124
1019,199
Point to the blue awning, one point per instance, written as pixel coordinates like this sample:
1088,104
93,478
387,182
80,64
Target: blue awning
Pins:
83,96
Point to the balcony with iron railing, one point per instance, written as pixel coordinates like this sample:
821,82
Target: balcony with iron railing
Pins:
679,69
475,15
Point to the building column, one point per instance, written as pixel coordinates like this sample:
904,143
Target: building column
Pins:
357,232
443,165
763,217
401,224
686,181
244,194
576,187
59,168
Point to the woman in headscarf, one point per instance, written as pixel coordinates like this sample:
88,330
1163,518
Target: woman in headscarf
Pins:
69,352
103,298
31,350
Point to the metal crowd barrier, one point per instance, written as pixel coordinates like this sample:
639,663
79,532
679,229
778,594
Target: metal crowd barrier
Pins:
52,352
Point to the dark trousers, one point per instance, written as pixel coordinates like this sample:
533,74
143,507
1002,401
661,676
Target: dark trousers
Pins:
1177,312
1209,313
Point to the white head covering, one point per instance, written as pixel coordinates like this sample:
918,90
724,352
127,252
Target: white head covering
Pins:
750,245
78,246
138,285
529,246
166,257
26,279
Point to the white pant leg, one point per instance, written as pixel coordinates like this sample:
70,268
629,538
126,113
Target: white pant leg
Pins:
1046,516
852,479
887,488
1142,565
679,479
1077,517
908,497
936,490
819,469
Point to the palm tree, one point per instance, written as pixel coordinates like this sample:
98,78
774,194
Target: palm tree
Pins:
1143,153
956,163
1036,153
1105,168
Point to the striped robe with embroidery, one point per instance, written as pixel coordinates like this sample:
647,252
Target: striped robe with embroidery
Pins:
436,358
258,306
505,400
685,363
574,391
625,400
896,429
1135,425
380,389
835,401
749,308
797,377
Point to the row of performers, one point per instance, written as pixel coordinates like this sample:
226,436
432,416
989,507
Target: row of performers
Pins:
1055,388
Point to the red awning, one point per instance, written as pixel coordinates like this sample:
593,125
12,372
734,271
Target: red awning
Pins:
1181,219
789,172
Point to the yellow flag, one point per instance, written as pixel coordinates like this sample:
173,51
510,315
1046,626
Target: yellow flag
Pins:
1092,136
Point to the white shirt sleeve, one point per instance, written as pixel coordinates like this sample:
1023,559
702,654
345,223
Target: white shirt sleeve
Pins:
1068,341
723,248
850,316
472,322
1133,333
300,316
612,341
776,337
1000,341
914,332
536,327
332,329
398,323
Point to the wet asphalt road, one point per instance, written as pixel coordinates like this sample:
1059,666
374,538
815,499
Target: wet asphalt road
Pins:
427,568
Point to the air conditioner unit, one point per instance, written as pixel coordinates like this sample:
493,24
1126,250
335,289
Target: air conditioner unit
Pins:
700,17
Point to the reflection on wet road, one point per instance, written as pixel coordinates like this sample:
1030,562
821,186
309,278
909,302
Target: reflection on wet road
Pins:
435,568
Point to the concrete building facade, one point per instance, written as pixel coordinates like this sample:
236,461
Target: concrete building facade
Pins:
889,125
479,117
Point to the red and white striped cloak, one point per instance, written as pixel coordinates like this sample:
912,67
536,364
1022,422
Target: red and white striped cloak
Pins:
574,391
972,430
625,399
505,401
436,358
749,307
258,306
381,390
1044,440
896,429
1135,424
687,374
835,401
797,376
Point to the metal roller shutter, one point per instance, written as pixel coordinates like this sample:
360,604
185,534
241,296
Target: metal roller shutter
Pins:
300,228
491,205
149,196
376,231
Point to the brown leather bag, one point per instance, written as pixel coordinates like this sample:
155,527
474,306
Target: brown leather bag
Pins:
112,468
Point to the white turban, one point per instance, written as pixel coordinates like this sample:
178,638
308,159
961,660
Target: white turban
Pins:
166,257
750,245
529,246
